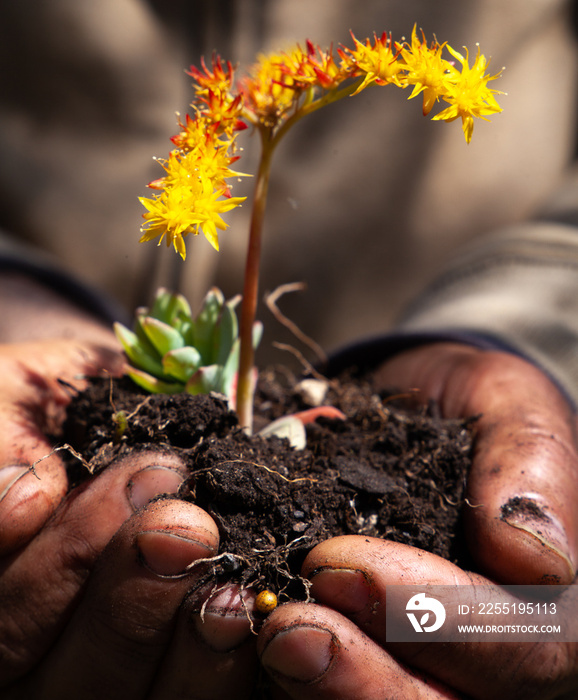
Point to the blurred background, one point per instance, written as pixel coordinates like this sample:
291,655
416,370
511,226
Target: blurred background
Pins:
368,198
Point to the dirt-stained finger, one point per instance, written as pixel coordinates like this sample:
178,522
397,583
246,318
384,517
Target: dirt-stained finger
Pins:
312,652
352,575
522,489
54,567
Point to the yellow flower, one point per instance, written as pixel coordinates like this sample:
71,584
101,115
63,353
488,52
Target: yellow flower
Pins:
280,89
280,84
188,206
467,93
211,156
194,192
314,67
377,64
218,80
425,69
272,89
217,104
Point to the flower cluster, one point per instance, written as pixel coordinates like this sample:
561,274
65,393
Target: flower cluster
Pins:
194,190
280,89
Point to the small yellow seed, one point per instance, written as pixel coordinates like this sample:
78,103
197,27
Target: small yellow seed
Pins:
266,601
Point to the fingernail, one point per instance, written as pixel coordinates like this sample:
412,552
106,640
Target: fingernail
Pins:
167,554
150,482
301,654
9,476
346,590
527,515
225,622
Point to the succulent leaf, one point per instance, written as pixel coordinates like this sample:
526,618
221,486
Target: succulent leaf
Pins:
162,336
138,355
168,307
205,323
230,367
170,351
153,384
140,315
205,380
182,363
226,331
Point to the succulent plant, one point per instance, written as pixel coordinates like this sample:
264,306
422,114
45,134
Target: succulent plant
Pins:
170,352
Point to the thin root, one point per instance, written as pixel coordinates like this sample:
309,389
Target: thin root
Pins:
66,447
271,471
271,301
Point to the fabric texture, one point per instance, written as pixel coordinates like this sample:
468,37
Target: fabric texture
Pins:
369,203
368,199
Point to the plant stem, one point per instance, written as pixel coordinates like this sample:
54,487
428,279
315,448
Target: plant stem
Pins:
251,287
326,99
269,139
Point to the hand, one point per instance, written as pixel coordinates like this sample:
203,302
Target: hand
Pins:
525,453
337,649
97,600
93,582
32,405
125,622
45,338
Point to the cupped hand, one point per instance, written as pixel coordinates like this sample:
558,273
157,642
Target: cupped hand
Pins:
128,622
522,528
521,518
337,648
96,594
32,404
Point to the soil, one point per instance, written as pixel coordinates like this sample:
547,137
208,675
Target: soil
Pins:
387,470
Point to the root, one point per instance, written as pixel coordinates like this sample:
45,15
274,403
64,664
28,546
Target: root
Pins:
271,471
271,301
68,448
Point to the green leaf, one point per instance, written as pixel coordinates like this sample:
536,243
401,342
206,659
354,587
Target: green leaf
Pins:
147,346
136,353
182,363
168,307
226,332
170,350
203,332
229,370
162,336
183,326
153,384
205,380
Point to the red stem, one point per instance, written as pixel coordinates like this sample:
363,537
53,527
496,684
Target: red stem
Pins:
251,289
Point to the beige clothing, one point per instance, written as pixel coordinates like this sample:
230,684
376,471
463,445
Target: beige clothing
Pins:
368,198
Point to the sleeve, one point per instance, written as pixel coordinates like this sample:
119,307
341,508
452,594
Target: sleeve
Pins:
17,258
517,290
514,290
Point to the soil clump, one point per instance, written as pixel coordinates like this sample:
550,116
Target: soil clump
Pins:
386,471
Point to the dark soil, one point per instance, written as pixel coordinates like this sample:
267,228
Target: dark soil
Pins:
384,472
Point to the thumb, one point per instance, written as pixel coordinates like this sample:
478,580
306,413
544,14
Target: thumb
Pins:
520,519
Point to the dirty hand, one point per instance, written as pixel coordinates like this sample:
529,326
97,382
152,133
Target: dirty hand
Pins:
92,583
522,529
